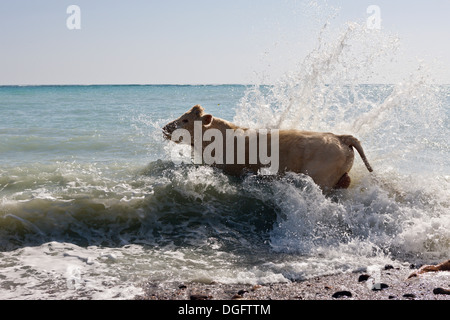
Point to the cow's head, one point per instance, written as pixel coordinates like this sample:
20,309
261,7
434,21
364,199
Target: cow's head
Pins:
187,121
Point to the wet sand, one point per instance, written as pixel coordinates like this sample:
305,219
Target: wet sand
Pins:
390,283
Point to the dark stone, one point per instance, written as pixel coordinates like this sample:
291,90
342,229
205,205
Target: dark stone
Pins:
242,292
379,286
199,297
388,267
441,291
363,277
341,294
392,297
182,286
409,295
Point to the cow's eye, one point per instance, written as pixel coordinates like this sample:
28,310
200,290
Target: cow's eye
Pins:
185,121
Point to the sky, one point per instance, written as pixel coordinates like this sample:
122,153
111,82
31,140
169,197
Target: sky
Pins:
200,41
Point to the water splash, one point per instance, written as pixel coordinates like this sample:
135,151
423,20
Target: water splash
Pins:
323,85
403,127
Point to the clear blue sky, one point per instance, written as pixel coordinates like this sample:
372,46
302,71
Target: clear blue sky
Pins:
194,41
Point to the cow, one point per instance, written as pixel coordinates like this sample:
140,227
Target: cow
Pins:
325,157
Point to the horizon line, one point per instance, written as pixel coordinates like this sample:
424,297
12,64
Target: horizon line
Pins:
168,84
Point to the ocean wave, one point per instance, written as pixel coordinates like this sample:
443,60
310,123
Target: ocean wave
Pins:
185,205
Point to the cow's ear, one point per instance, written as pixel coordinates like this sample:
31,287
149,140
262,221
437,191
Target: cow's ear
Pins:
207,119
197,110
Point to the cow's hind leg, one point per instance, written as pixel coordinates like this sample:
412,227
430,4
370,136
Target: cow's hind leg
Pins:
344,182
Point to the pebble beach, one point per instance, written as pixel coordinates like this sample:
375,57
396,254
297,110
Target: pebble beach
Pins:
394,285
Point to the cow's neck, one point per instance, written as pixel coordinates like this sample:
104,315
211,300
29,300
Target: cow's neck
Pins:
222,125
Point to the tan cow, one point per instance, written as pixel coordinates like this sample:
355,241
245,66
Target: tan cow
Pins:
325,157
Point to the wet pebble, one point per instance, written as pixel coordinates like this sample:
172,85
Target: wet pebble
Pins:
200,297
341,294
379,286
363,277
441,291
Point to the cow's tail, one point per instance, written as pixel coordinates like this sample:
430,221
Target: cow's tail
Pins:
353,142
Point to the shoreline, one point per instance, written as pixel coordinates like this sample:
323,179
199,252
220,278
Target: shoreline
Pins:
393,285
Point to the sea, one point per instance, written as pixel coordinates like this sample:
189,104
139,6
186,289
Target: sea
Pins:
93,204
